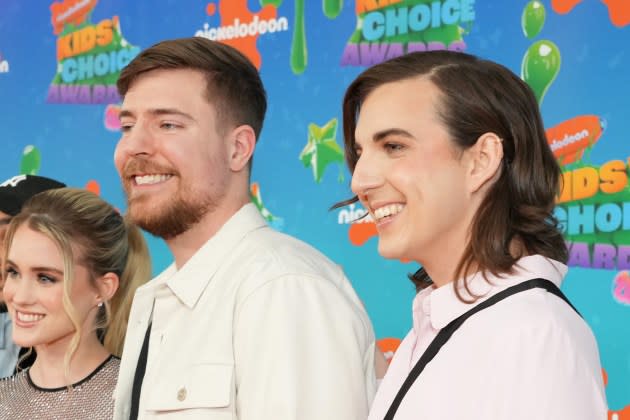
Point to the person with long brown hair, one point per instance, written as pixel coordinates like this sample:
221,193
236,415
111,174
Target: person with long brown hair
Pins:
72,264
448,154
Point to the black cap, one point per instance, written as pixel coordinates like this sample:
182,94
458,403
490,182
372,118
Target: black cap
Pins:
14,192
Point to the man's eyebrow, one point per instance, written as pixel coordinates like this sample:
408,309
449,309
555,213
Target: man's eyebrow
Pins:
5,221
156,112
380,135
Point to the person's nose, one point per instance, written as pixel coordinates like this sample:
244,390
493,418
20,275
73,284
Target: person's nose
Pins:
137,141
18,291
366,176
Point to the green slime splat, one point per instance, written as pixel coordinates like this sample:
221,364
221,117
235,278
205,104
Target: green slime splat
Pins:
540,67
533,18
322,149
299,55
332,8
275,3
31,161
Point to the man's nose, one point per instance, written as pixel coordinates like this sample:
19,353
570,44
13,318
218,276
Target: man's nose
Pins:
366,175
136,141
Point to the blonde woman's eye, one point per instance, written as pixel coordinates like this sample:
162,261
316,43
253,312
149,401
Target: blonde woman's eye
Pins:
11,273
44,278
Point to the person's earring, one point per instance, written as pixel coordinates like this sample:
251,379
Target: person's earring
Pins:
100,304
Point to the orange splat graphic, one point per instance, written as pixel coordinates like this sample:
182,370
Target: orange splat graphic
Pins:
571,138
623,414
237,9
618,10
359,233
69,11
388,347
93,186
564,6
211,9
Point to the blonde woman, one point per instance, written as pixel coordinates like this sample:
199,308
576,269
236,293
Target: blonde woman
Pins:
72,264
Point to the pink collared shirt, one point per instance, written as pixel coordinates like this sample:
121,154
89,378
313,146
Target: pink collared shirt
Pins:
527,357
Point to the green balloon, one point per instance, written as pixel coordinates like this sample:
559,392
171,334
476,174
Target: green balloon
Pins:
31,161
275,3
540,67
533,18
332,8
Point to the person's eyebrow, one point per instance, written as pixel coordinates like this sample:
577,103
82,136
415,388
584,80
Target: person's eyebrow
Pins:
48,270
10,263
125,113
5,221
380,135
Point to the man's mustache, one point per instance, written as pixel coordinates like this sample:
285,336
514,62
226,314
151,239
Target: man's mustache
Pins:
136,166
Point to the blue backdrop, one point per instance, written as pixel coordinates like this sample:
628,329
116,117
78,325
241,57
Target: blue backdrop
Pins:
58,58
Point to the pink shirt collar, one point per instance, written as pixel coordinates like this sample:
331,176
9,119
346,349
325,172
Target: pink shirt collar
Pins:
442,305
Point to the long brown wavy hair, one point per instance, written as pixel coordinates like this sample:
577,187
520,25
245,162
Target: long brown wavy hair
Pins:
479,96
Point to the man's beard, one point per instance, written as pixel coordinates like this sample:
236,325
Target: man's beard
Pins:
171,220
178,215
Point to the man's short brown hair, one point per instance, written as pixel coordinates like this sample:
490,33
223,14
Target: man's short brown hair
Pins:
234,86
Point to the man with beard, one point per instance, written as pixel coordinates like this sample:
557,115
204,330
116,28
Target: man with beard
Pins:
247,323
14,192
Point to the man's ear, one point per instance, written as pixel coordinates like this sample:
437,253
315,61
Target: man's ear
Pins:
107,285
484,160
242,145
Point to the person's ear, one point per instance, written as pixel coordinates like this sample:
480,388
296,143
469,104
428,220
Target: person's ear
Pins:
241,147
106,285
484,160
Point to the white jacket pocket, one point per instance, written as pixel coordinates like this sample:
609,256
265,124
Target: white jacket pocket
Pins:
199,386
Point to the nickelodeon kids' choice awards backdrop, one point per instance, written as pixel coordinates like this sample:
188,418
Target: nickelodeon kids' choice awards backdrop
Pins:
59,61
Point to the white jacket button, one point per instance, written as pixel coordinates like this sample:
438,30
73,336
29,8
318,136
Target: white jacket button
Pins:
181,394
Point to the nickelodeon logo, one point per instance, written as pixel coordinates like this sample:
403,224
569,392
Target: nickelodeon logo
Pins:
570,139
69,11
362,227
240,28
557,144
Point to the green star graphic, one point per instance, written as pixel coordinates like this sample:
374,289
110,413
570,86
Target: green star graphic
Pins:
322,149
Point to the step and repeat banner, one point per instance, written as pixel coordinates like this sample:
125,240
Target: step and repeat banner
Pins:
59,61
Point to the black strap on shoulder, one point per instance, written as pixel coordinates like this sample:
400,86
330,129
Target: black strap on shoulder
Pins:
138,376
445,333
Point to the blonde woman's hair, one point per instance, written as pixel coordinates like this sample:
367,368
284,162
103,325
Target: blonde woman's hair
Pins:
80,222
